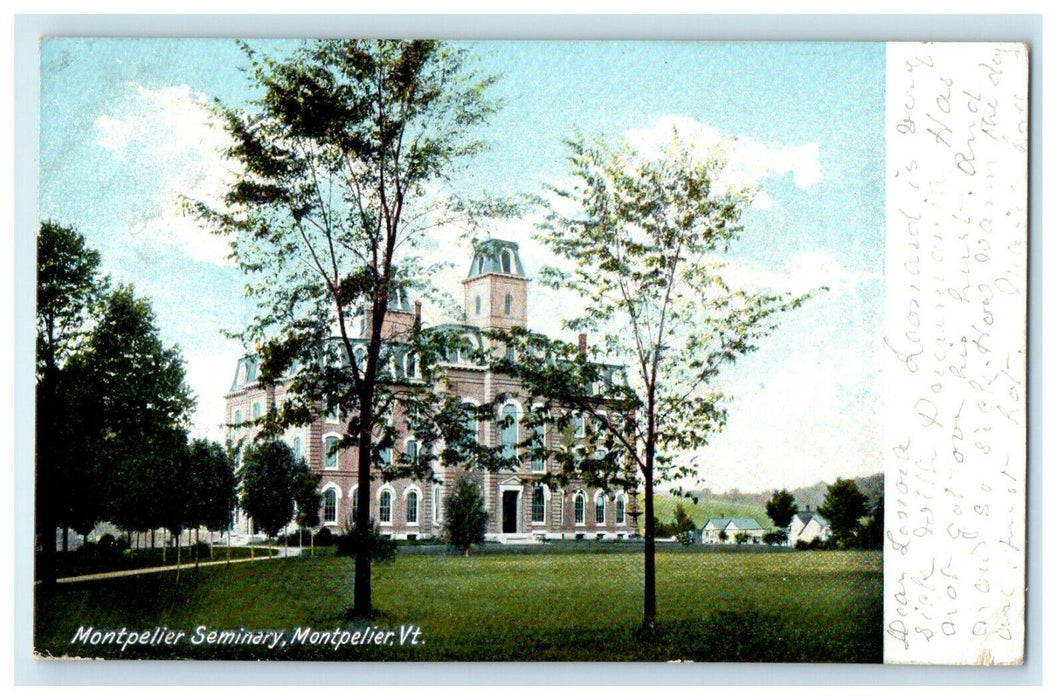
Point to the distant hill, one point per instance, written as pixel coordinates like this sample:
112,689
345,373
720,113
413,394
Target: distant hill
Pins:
707,504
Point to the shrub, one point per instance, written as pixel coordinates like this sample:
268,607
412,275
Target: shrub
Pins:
324,537
686,538
382,549
803,546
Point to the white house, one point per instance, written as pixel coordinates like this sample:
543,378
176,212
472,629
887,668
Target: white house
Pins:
731,527
807,526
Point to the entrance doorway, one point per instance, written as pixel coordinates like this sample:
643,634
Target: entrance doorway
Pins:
509,512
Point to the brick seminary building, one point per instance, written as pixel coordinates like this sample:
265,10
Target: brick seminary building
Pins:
496,297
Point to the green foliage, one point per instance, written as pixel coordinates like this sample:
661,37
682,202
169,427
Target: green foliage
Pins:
271,474
742,537
781,507
686,538
776,537
214,485
343,164
683,521
844,506
308,501
639,237
465,519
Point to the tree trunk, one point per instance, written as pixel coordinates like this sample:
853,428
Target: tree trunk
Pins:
228,547
650,590
197,548
178,577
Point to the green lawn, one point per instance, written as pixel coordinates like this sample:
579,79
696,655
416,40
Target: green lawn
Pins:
713,606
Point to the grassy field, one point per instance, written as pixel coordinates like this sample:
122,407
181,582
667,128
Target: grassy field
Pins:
713,606
706,508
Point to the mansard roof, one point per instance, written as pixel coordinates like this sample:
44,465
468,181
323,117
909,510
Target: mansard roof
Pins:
496,256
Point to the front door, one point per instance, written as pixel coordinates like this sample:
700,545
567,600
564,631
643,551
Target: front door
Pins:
509,512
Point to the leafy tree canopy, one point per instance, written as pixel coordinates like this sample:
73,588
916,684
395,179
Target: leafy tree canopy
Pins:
844,506
271,476
641,237
781,507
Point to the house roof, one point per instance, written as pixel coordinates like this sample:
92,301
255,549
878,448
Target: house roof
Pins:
806,516
717,523
747,524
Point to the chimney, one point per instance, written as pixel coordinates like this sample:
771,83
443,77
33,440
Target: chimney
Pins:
582,342
417,313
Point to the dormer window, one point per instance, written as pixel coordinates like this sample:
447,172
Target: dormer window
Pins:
506,262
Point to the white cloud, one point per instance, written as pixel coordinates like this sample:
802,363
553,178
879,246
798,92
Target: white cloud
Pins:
749,162
804,272
172,145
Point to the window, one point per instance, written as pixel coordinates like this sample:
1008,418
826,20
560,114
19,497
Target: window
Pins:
329,507
576,424
476,305
386,457
411,450
540,433
578,509
297,447
256,411
238,417
437,494
508,434
332,456
600,509
620,509
412,507
471,422
506,264
507,305
385,514
411,365
354,506
539,505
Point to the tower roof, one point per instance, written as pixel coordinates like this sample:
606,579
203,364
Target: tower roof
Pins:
496,256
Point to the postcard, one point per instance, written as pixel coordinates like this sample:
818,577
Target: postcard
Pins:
418,350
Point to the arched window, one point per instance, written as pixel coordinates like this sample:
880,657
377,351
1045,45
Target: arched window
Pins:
328,506
600,509
508,434
507,305
332,455
540,432
620,509
385,514
578,509
471,422
539,504
354,506
437,495
412,507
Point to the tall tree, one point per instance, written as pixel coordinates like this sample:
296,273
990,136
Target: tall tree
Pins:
465,519
781,507
271,475
342,159
844,506
214,484
69,284
144,409
641,237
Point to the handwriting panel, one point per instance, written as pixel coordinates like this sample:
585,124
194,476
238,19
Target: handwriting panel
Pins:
955,353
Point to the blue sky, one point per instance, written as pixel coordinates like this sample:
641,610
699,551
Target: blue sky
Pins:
124,131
